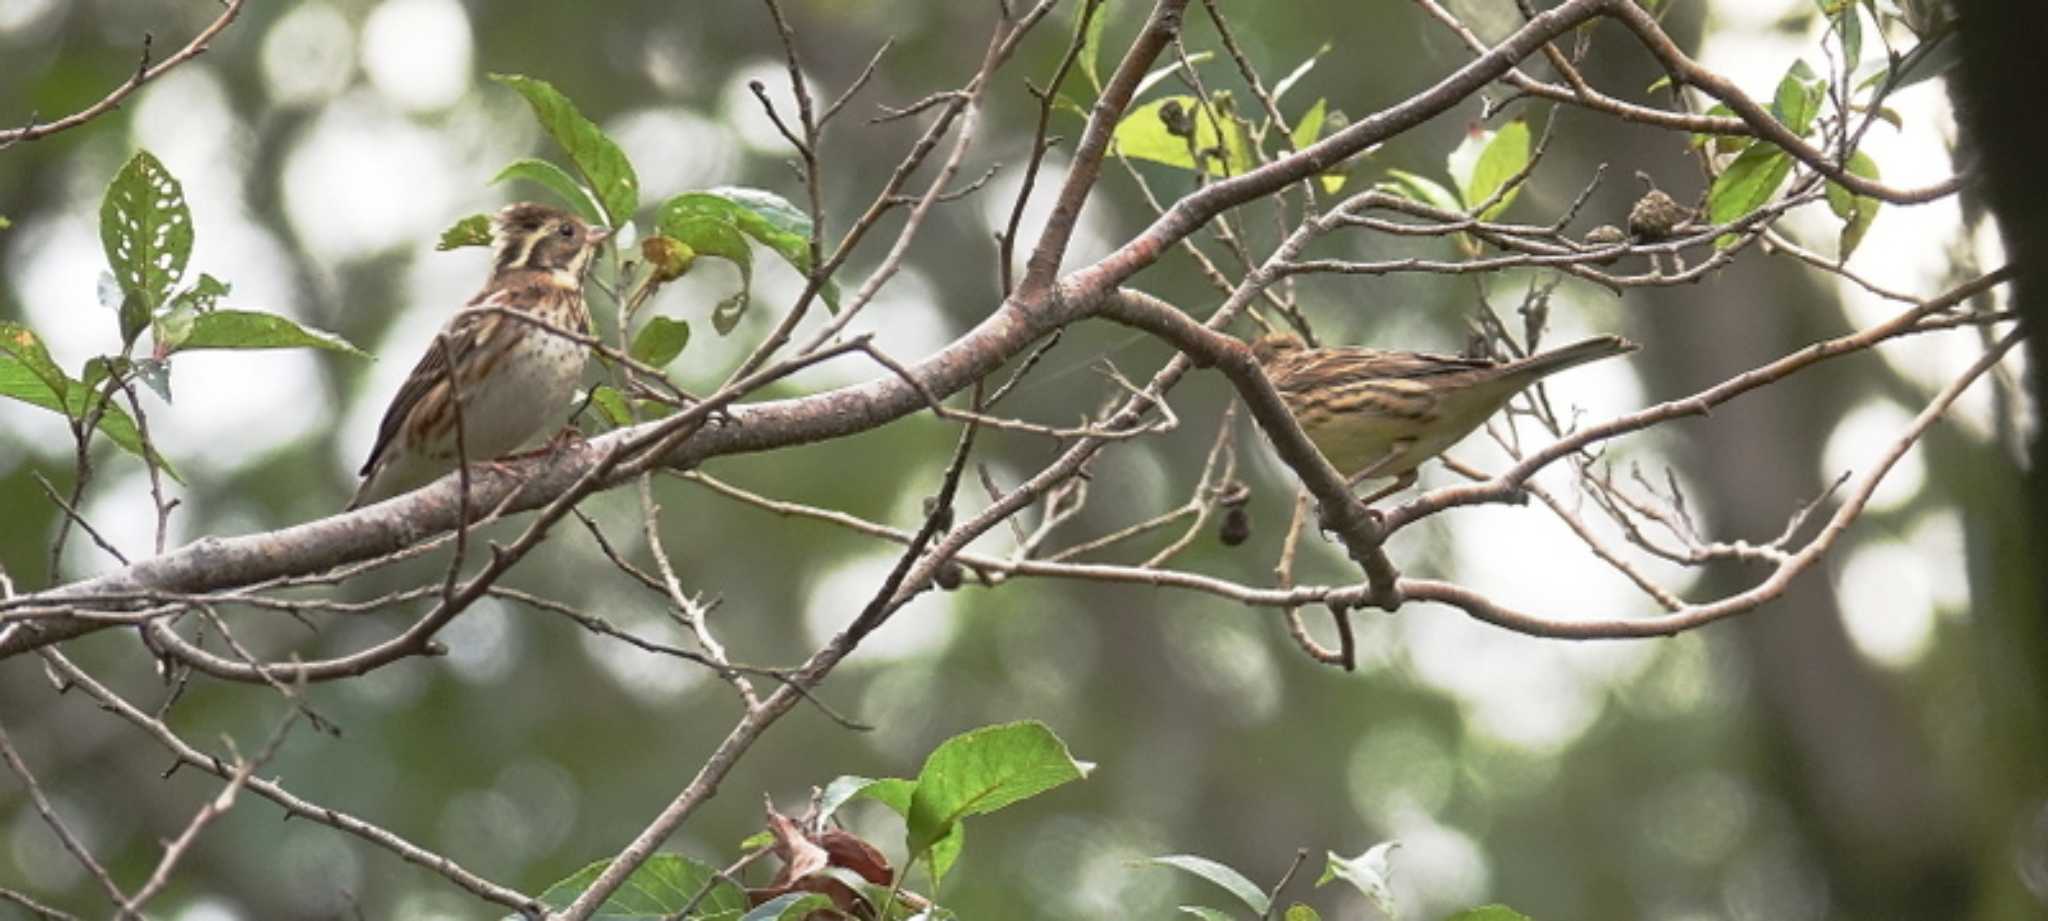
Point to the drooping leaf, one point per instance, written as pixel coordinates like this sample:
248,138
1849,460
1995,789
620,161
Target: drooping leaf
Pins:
1747,184
597,157
775,223
1230,880
1856,211
660,887
660,341
250,329
474,230
1368,872
712,231
554,179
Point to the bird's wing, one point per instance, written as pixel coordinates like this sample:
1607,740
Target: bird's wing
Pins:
1338,367
465,332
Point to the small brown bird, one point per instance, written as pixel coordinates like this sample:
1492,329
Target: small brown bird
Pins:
1379,414
513,377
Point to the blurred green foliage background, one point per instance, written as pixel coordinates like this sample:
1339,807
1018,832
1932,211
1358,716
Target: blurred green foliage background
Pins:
1799,763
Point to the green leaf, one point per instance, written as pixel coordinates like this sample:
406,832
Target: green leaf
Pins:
1856,211
1798,98
5,223
1368,872
1422,189
597,157
775,223
844,788
660,887
660,341
1723,143
609,401
250,329
1205,913
1486,161
554,179
712,233
983,770
1300,912
896,793
474,230
1142,135
1747,184
1489,913
1850,24
1091,47
1310,128
28,374
146,230
793,906
1232,881
172,327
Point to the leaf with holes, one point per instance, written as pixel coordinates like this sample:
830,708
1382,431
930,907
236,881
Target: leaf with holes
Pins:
146,230
603,165
783,227
556,180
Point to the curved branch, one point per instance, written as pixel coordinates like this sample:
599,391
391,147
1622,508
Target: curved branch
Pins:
143,74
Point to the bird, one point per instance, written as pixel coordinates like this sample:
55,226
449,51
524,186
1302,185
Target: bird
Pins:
512,376
1375,413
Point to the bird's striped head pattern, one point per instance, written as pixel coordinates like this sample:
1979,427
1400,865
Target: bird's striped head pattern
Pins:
535,237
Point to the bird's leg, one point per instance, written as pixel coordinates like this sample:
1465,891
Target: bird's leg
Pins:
1400,483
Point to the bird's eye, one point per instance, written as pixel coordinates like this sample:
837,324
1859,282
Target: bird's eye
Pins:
568,231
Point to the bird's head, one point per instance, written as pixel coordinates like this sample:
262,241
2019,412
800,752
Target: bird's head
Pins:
540,238
1271,346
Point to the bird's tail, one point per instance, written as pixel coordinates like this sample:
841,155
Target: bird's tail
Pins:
1544,364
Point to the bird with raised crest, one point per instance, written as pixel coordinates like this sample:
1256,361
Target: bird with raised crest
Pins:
1375,413
501,365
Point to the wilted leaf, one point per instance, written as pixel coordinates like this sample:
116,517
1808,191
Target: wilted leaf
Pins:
1368,872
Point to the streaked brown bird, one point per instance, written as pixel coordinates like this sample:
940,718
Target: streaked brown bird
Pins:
513,377
1377,413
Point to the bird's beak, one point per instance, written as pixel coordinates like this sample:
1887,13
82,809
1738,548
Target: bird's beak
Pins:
600,234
